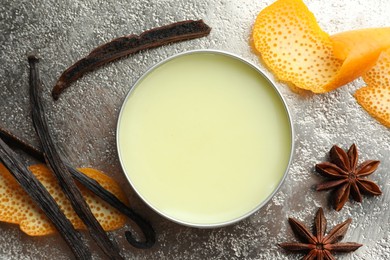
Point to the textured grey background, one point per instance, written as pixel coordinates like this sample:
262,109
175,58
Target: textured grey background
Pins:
84,119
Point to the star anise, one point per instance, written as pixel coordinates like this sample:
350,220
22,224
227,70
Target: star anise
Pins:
347,179
318,245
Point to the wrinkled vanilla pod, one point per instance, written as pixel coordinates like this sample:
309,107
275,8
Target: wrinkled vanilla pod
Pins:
44,200
59,169
15,142
123,46
97,189
93,186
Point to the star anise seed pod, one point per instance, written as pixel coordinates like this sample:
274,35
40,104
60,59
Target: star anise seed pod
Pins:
346,177
318,245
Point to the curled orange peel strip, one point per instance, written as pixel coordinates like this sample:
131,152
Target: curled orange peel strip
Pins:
380,73
16,206
294,47
360,50
375,97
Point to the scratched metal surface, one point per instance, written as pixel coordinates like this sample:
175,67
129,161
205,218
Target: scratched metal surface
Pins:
83,120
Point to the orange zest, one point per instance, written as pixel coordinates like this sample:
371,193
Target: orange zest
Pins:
298,52
376,101
360,50
294,47
375,98
379,75
16,206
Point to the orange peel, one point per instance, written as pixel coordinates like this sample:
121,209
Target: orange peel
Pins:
360,50
298,51
379,75
17,207
376,101
375,98
295,48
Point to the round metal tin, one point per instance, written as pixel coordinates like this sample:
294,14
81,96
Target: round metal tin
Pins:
262,203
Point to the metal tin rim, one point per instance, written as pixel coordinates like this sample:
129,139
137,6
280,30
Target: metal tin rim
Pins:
231,55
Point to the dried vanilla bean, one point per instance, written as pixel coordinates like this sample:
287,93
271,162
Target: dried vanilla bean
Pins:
96,188
123,46
59,169
16,142
44,200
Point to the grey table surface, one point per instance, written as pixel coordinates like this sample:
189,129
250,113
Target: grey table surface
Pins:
83,121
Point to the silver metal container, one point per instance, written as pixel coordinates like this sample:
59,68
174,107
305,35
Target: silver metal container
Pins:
261,203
